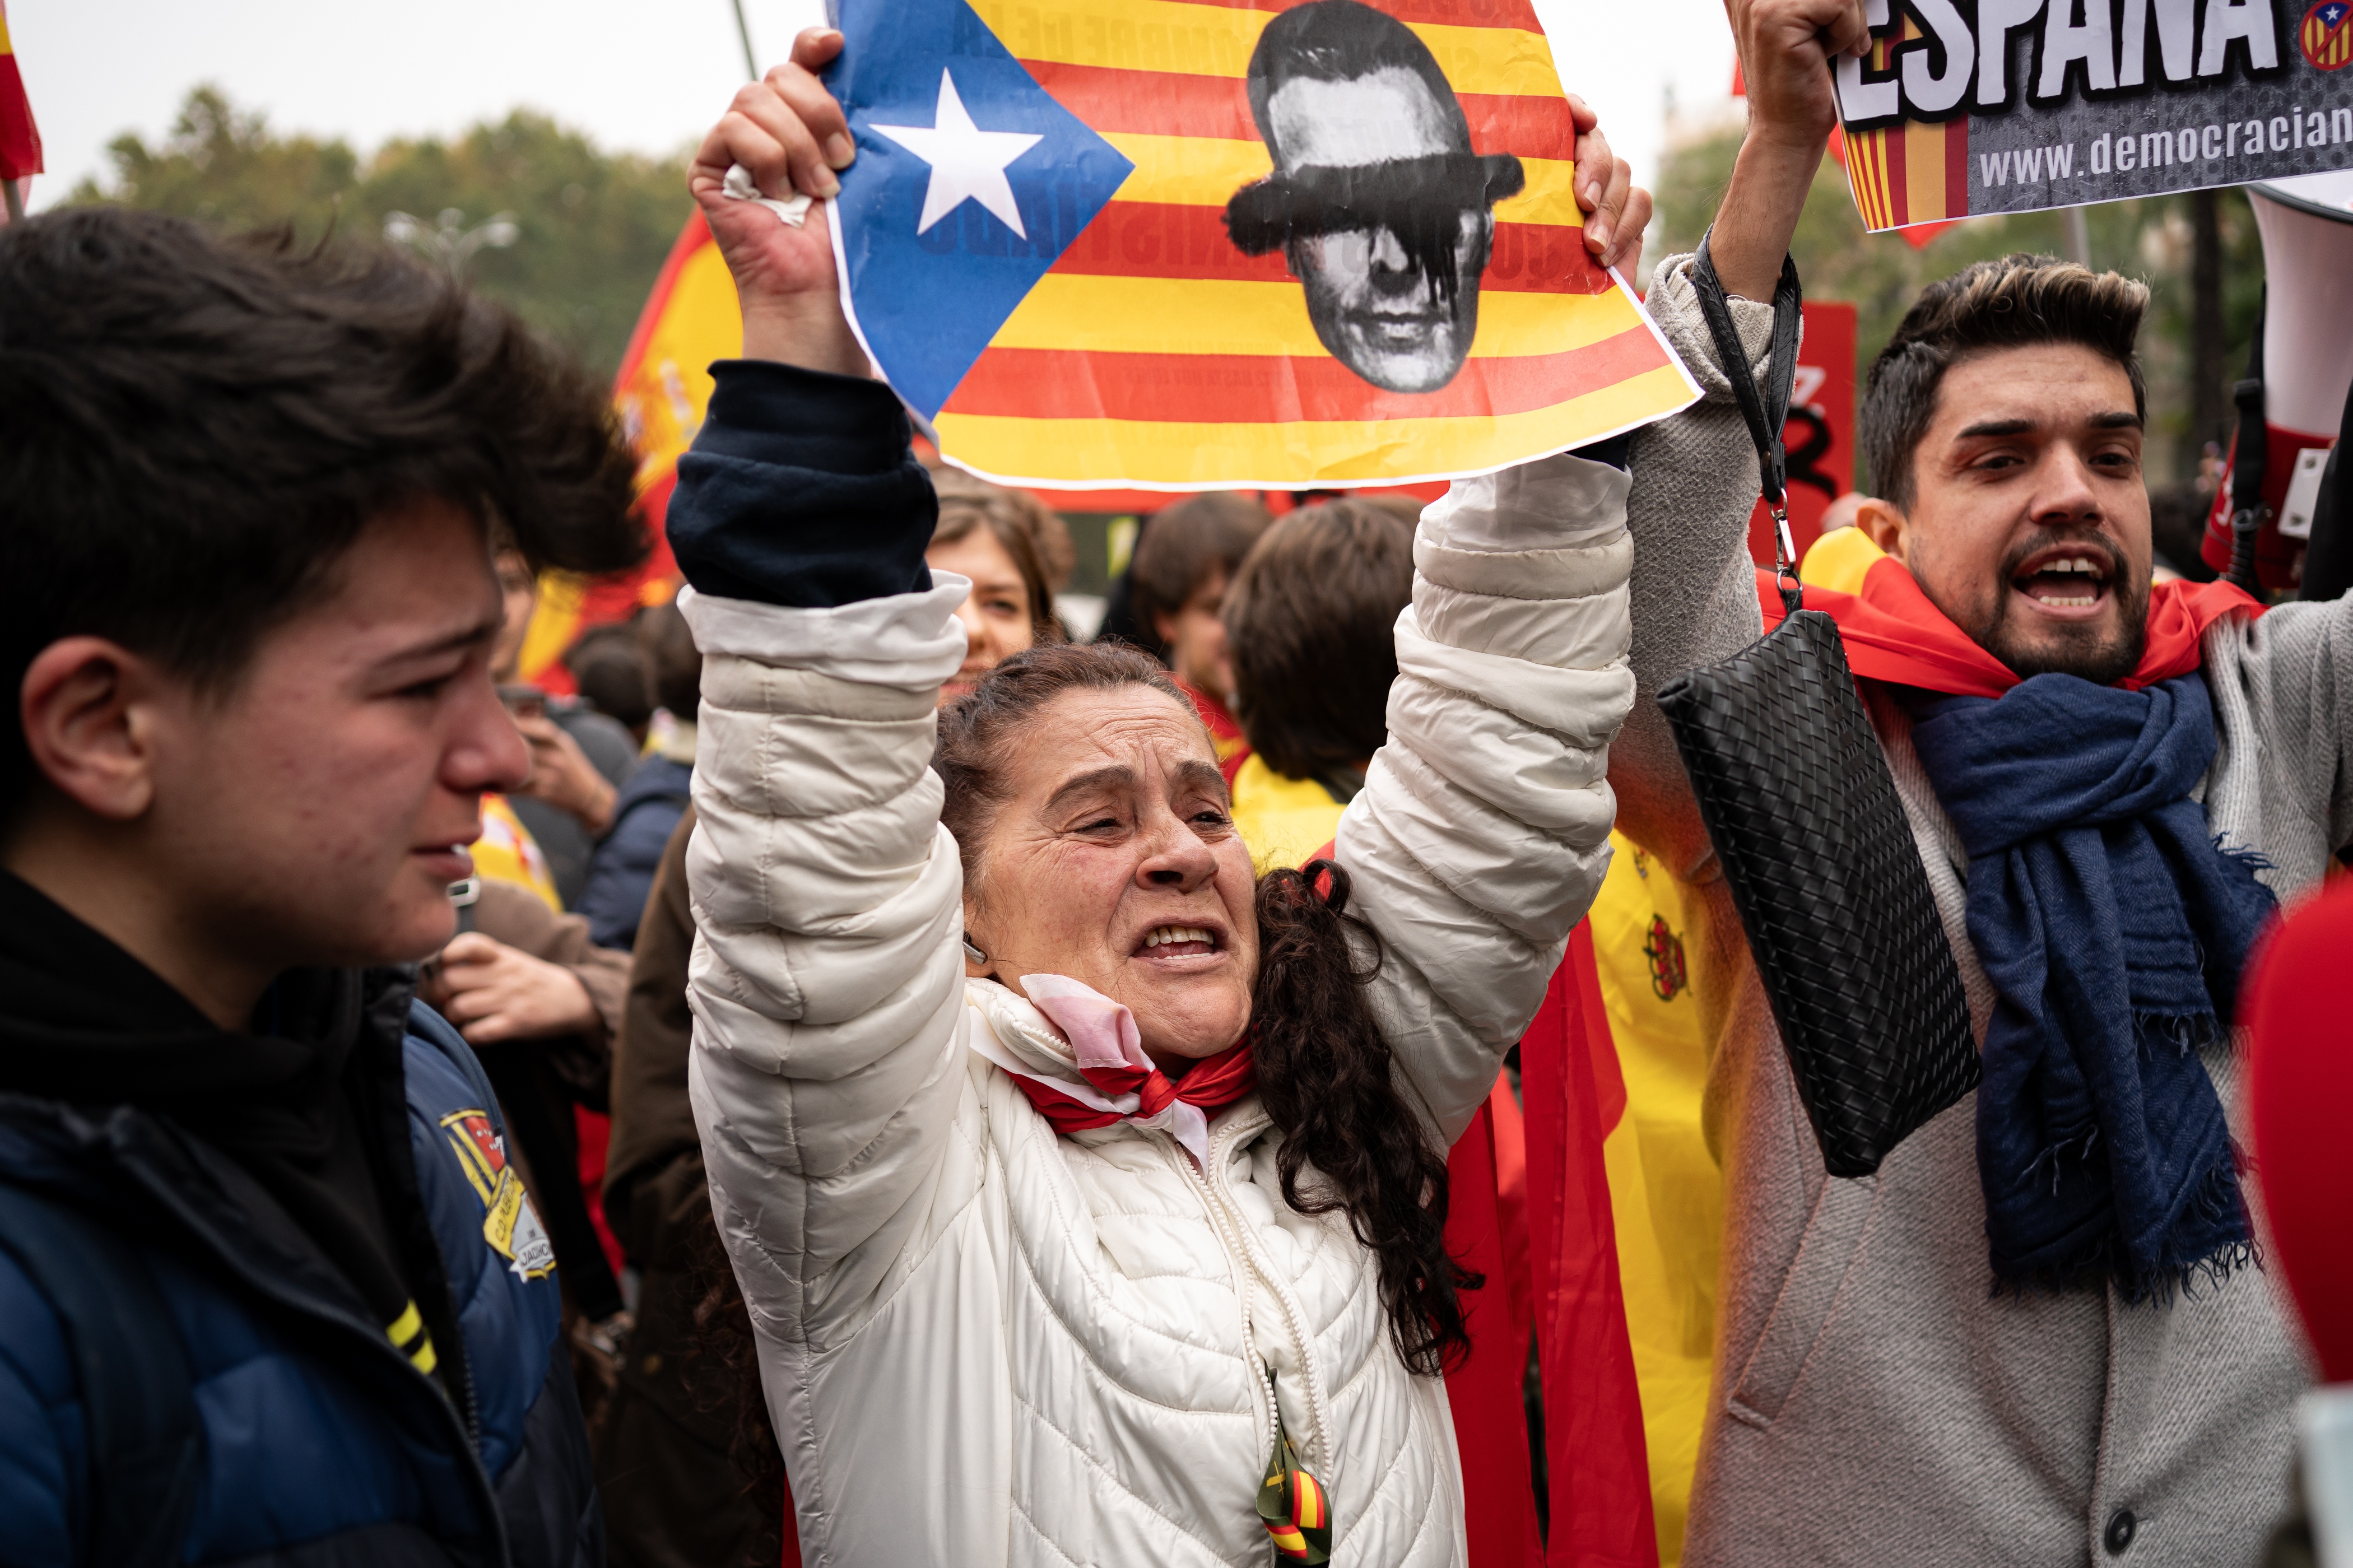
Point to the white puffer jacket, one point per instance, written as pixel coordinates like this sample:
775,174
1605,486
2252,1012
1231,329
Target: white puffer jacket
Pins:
984,1343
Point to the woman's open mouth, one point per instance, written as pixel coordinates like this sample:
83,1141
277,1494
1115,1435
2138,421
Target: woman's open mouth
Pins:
1178,941
2069,581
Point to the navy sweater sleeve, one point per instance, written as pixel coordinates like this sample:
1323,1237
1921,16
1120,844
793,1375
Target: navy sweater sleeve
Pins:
802,489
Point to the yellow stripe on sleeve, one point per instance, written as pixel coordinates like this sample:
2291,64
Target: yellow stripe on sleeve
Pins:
405,1326
408,1336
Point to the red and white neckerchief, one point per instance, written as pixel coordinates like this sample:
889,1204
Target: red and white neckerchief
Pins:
1116,1081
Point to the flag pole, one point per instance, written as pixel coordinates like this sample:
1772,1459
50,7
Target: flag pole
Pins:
743,31
16,202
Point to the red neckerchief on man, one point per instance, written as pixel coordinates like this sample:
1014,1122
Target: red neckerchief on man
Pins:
1894,633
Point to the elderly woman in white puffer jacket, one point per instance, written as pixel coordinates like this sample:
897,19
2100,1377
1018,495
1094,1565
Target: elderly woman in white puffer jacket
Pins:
1087,1190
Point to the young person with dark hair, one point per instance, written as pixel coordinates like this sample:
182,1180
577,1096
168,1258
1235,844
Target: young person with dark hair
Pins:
267,1287
1183,563
1087,1189
1311,621
2034,1336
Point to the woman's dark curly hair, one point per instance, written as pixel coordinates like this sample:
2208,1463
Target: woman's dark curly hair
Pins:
1350,1142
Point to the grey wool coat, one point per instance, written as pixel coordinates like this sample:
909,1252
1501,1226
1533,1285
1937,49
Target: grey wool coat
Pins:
1873,1402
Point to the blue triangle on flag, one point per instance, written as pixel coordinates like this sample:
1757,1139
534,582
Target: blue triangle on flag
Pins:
928,298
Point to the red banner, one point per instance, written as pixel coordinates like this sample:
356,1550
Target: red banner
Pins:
1819,434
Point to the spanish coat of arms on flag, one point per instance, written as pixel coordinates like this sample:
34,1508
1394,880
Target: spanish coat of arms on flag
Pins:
1199,243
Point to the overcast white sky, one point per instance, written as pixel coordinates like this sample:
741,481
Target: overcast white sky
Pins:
632,74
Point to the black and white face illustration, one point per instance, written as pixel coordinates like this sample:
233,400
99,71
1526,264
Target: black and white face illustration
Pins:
1383,213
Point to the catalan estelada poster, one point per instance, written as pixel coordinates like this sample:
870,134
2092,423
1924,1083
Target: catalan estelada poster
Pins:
1206,243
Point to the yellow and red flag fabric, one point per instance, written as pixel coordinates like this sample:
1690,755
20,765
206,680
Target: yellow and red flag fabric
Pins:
1595,1448
20,139
660,392
1069,243
1650,954
1908,174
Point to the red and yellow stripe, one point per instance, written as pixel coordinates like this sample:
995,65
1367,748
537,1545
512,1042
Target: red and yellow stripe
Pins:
1302,1534
2329,49
1156,354
661,393
1911,172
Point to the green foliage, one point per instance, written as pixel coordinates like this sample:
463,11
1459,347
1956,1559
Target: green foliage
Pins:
593,227
2148,239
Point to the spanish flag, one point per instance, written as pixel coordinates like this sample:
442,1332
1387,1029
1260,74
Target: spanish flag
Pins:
1253,243
661,394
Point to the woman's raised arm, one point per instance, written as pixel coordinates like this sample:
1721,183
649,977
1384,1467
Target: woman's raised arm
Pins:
826,981
1483,831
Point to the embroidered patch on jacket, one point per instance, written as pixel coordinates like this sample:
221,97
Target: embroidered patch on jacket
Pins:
509,1223
1665,951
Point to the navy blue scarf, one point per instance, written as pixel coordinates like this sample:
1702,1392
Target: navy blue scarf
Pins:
2114,929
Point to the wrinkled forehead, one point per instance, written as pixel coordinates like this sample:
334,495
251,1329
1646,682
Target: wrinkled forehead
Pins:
1375,119
1128,737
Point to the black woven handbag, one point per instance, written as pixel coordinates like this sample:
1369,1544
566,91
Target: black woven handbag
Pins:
1802,812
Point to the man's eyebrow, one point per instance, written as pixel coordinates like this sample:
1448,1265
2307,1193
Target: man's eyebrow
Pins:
1116,776
2115,419
1985,428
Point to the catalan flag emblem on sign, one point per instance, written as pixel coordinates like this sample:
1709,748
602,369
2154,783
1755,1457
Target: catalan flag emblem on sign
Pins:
1178,243
2326,36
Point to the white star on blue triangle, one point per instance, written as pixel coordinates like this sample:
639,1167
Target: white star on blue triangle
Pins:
967,162
970,181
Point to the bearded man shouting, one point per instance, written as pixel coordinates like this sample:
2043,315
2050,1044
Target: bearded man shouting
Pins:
2037,1335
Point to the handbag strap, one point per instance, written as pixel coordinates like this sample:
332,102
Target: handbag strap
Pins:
1767,413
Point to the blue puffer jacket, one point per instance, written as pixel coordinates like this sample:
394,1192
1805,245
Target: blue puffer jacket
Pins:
323,1446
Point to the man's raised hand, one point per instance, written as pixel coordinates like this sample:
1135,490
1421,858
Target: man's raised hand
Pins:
789,135
1787,49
